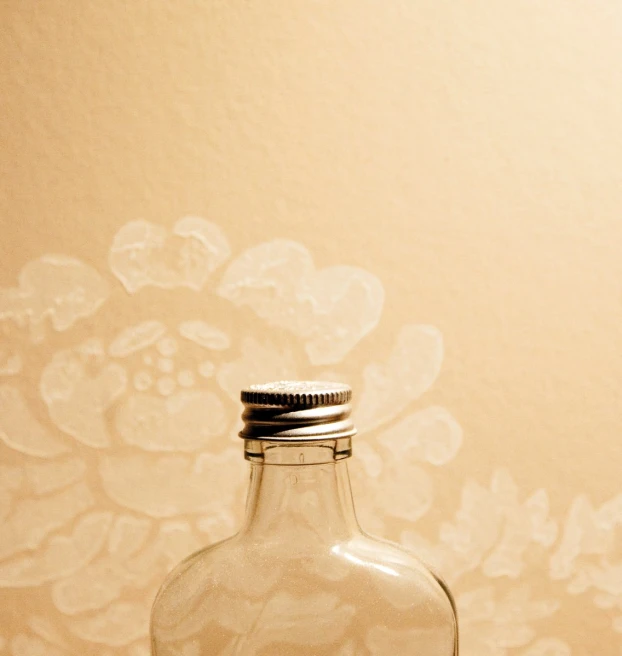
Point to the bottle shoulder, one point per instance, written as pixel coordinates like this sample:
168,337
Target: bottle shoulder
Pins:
189,579
250,596
260,563
399,574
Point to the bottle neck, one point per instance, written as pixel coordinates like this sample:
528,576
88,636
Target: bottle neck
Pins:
300,493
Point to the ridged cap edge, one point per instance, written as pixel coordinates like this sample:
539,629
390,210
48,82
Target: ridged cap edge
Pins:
297,393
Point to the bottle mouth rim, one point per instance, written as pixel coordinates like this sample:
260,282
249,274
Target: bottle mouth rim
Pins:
296,453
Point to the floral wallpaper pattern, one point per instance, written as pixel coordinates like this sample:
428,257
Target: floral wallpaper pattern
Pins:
123,457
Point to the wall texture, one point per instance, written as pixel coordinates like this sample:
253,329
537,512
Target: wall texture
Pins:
422,198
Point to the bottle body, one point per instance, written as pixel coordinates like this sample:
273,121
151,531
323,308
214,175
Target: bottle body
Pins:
301,578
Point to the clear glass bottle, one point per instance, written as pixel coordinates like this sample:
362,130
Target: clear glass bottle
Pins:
300,577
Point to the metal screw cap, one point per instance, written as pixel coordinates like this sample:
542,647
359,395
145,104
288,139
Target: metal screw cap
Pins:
297,411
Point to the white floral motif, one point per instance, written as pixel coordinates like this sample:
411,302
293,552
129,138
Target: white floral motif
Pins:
172,484
52,528
493,624
587,557
55,286
185,421
205,335
136,338
144,254
493,530
62,556
77,399
411,369
21,430
259,361
493,533
121,459
331,309
388,476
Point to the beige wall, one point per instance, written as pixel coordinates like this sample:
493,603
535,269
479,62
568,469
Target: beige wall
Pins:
461,161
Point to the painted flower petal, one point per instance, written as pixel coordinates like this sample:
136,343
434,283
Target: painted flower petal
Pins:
20,430
136,338
493,622
259,361
412,367
165,486
104,580
405,491
185,421
128,534
145,254
61,557
205,335
431,435
55,286
584,534
32,520
77,401
119,624
492,531
331,309
47,477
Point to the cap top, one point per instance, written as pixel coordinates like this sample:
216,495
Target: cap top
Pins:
297,393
